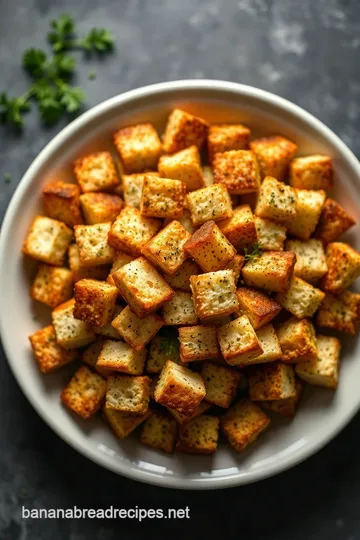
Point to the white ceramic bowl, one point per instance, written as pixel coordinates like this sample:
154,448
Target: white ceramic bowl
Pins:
322,413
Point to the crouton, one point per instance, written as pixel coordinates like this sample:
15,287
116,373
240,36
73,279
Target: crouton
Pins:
183,130
179,388
221,383
159,432
47,241
212,202
324,370
238,170
310,258
94,301
297,340
166,249
162,348
312,172
240,229
79,271
341,312
119,356
236,266
271,381
70,332
270,345
91,354
61,202
225,137
343,264
198,343
200,435
276,201
96,172
179,310
214,294
238,341
274,155
333,222
308,209
120,259
52,285
142,287
137,332
272,271
243,423
92,242
122,423
208,175
100,207
131,231
185,166
302,299
183,419
48,353
270,235
162,197
286,407
181,278
132,185
139,148
128,393
257,306
85,393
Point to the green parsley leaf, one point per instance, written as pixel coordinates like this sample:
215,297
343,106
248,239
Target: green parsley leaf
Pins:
255,252
62,29
34,61
63,65
50,110
12,110
72,98
7,177
92,75
98,39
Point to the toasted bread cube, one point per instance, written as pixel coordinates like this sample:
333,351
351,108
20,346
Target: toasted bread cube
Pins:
79,271
162,197
183,419
270,235
333,222
236,266
122,423
259,308
120,259
179,310
96,172
238,170
238,341
324,370
48,353
343,264
272,271
221,383
312,172
341,312
85,393
210,248
243,423
132,185
108,330
137,332
91,354
100,207
274,155
179,388
128,393
166,249
301,299
119,356
139,147
271,381
308,209
131,231
212,202
162,348
225,137
183,130
286,407
92,241
208,176
70,332
94,301
181,278
200,435
61,202
270,345
185,166
214,294
47,241
52,286
198,343
276,201
159,432
310,258
240,229
297,340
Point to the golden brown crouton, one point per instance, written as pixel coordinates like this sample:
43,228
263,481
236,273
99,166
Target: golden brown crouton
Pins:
119,356
183,419
70,332
238,341
225,137
333,222
199,436
324,370
259,307
162,348
240,229
198,343
221,383
274,155
96,172
270,235
47,241
183,130
238,170
312,172
214,294
272,271
159,432
137,332
310,258
80,271
139,148
85,393
108,330
52,286
276,201
61,202
131,231
212,202
270,345
308,209
341,312
301,298
343,264
132,185
179,310
297,340
92,242
162,197
128,393
91,354
48,353
271,381
100,207
120,259
185,166
286,407
243,423
236,266
181,278
94,301
122,423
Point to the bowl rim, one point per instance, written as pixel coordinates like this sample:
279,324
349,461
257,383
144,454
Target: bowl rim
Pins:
146,91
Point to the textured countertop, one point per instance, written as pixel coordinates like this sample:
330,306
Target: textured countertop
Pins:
305,51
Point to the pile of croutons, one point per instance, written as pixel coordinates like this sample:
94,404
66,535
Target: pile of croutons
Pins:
192,292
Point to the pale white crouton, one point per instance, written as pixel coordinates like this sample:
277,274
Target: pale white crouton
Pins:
270,345
270,235
122,423
179,310
70,332
92,242
214,294
137,332
119,356
131,231
301,299
198,343
120,259
272,271
212,202
80,271
181,278
310,258
276,201
139,147
324,370
132,186
238,341
47,241
308,209
343,264
128,393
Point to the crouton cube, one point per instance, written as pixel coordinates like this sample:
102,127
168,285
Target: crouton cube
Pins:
185,166
162,197
308,209
302,299
238,170
131,231
79,271
132,185
240,229
198,343
162,348
181,278
212,202
159,432
259,308
274,155
286,407
271,381
312,172
48,353
183,130
94,301
297,340
333,222
199,436
270,235
243,423
183,419
166,249
100,207
343,264
324,370
96,172
52,285
142,287
70,332
179,310
47,241
139,147
85,393
120,259
225,137
61,202
208,175
92,242
272,271
91,354
276,201
270,345
137,332
238,341
221,383
108,330
122,423
119,356
128,393
310,258
236,266
341,312
214,294
179,388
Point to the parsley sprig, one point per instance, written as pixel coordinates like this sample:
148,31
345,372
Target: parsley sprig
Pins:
169,343
252,253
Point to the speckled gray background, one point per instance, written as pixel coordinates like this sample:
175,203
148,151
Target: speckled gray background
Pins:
306,51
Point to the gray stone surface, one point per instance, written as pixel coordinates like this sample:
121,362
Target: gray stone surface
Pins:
306,51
